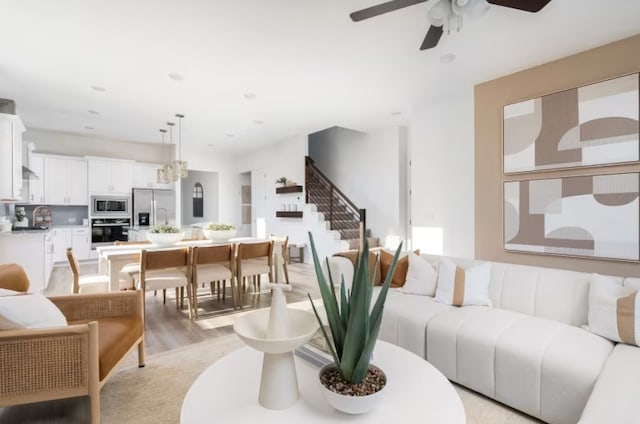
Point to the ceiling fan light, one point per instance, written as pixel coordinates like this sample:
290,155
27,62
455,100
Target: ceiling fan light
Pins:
439,13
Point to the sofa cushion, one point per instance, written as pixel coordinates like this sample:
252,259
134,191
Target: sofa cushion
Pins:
615,395
458,286
614,310
571,365
29,311
116,335
405,319
422,276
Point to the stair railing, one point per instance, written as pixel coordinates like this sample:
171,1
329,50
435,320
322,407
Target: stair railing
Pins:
335,195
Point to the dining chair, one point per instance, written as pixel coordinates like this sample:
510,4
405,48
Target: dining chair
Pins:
212,264
132,268
252,260
281,245
165,269
93,283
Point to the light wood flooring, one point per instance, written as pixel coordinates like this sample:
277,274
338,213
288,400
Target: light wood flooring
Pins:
168,328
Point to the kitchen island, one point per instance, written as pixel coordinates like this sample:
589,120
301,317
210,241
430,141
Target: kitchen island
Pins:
139,232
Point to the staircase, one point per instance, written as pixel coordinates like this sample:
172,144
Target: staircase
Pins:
339,211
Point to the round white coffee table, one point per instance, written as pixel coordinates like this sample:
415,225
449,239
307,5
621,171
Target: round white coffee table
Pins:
227,392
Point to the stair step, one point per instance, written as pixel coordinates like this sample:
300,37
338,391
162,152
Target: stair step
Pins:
345,225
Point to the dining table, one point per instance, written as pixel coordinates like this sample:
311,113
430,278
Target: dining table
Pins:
112,258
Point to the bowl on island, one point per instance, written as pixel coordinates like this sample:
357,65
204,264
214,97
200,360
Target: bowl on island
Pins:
165,235
219,232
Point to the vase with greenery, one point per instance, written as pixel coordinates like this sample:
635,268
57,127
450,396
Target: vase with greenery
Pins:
282,181
353,326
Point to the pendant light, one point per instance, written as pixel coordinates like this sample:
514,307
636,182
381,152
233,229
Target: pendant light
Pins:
168,168
161,173
180,166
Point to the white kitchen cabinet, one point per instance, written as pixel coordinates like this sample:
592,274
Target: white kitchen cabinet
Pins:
27,250
81,243
11,129
109,176
36,187
61,241
145,176
65,181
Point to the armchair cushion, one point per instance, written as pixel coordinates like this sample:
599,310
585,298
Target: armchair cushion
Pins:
116,335
29,311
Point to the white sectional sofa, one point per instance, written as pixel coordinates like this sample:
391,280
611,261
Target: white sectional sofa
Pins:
528,350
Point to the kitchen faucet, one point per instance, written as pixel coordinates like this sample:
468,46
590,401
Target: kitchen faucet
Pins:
165,215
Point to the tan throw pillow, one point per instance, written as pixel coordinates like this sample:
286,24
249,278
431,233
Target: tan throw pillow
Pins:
460,287
614,311
400,275
352,255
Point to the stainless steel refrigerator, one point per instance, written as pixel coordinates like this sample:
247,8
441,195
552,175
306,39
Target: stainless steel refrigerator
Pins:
153,207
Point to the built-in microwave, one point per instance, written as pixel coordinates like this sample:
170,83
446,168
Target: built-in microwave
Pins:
114,206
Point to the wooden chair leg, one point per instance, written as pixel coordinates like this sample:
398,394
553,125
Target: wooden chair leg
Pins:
190,303
178,298
164,296
286,272
259,283
224,289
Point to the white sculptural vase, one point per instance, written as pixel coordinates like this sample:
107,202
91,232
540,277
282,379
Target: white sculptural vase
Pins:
277,331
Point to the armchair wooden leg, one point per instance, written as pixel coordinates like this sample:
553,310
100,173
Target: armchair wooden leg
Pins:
94,400
141,354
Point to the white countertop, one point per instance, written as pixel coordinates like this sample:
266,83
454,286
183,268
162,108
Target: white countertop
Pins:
19,232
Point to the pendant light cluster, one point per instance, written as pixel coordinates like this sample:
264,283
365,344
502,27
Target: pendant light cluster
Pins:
171,172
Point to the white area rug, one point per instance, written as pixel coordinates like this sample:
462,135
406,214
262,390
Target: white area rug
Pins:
154,394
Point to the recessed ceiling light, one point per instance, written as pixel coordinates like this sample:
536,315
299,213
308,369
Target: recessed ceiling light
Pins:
210,145
230,135
93,112
89,127
258,122
176,76
396,113
249,96
98,88
447,58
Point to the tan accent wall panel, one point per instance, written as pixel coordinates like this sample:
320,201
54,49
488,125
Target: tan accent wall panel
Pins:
598,64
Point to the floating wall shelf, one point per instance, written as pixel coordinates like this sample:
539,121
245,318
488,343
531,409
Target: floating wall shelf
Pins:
289,214
289,189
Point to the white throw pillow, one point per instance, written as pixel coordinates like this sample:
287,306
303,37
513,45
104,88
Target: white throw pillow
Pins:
461,287
29,311
7,292
614,310
422,277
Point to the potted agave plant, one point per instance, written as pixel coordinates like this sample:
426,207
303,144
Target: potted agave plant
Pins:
351,383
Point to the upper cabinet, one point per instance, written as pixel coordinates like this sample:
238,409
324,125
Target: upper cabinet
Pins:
110,176
11,129
65,181
145,176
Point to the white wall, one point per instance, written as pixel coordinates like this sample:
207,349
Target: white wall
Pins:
283,158
228,181
368,168
79,145
209,182
442,175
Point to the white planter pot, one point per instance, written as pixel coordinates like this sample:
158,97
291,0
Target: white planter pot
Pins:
164,239
351,404
218,235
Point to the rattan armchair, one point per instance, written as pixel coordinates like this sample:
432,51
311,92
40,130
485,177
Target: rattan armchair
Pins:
63,362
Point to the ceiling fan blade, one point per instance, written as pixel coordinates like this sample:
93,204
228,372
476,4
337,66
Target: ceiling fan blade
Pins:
383,8
526,5
432,37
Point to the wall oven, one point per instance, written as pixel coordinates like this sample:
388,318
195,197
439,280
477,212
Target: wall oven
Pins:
113,206
105,231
